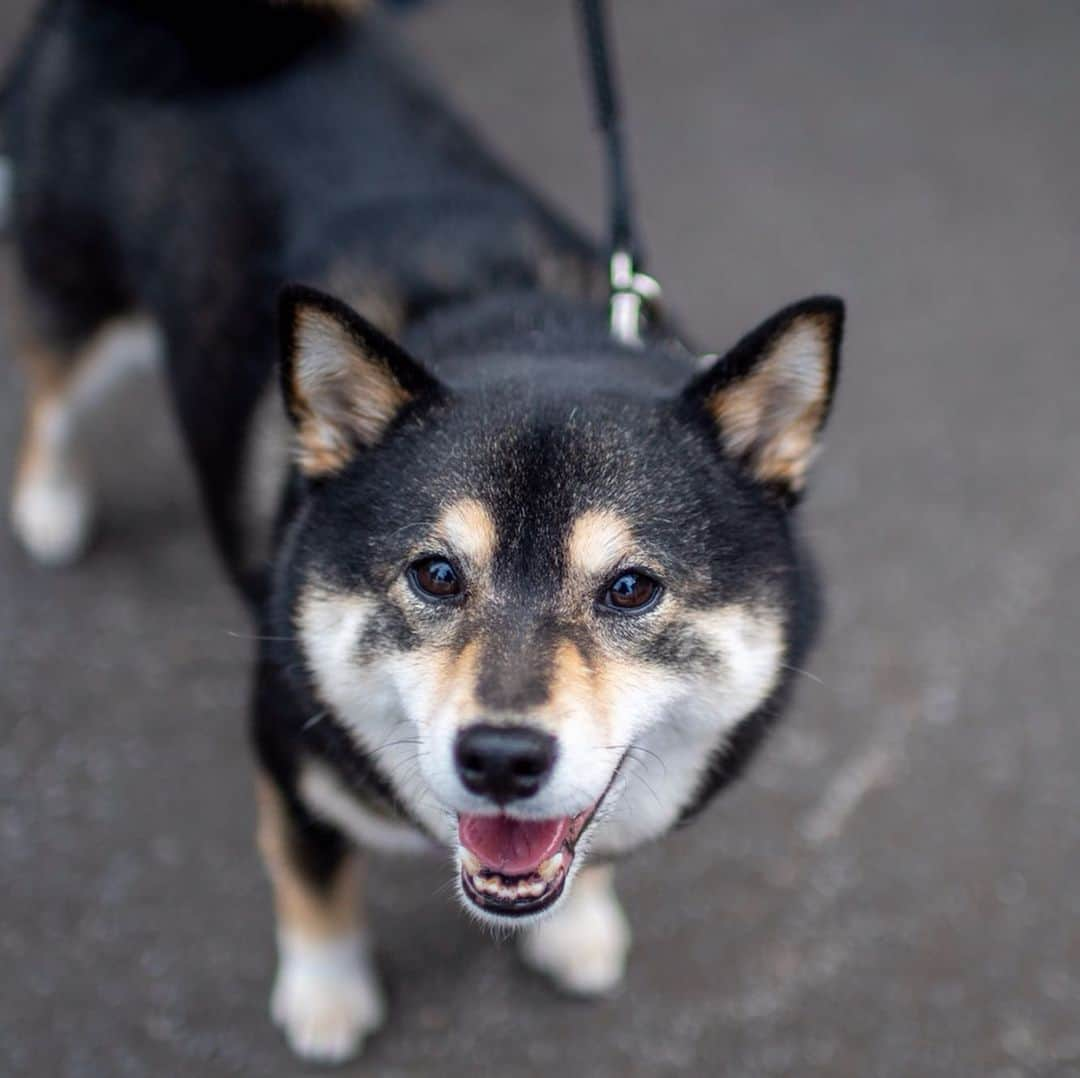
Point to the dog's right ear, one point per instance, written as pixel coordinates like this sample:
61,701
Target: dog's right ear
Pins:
344,382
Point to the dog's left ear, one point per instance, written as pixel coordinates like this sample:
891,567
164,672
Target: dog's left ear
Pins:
344,382
769,397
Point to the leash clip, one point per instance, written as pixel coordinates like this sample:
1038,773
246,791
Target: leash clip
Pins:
634,295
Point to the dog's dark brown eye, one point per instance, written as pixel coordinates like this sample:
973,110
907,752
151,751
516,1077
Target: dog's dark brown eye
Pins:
631,591
435,577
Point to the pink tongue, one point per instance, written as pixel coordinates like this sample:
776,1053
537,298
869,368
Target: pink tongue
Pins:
509,846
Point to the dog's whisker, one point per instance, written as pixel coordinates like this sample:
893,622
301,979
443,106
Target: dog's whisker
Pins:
314,721
636,773
630,747
804,673
388,743
447,885
406,772
394,744
414,526
255,636
655,755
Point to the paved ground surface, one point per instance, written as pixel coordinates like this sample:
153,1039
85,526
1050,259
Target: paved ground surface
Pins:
894,889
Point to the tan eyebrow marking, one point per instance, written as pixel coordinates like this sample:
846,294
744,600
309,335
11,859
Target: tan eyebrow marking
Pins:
598,539
469,529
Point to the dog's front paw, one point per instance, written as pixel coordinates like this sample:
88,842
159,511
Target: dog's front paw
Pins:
583,945
52,515
326,998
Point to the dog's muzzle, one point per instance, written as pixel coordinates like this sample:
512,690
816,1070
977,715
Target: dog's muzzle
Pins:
513,866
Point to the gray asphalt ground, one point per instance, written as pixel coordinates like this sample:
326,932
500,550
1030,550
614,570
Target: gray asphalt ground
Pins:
894,889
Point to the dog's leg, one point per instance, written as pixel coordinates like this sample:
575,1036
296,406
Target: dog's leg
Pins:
583,945
326,996
52,506
51,503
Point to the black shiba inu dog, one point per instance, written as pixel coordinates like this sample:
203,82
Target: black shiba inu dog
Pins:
503,560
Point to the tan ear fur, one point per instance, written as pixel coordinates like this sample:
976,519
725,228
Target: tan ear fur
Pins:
344,382
770,395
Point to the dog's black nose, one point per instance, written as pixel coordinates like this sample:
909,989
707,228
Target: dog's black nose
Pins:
505,763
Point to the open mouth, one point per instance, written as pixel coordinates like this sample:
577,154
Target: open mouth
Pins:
515,867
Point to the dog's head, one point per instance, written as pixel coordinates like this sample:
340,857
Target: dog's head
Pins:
539,605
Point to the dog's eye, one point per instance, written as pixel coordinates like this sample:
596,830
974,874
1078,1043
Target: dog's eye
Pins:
435,577
632,591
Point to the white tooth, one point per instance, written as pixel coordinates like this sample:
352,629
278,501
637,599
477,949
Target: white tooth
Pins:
550,868
469,862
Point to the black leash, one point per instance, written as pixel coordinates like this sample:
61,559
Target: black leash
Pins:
634,294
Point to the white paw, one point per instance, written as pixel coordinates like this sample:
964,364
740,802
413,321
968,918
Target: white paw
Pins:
326,998
52,515
583,945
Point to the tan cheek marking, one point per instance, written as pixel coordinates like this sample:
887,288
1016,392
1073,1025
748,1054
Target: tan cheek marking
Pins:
616,680
593,692
314,914
454,678
469,529
598,538
572,692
